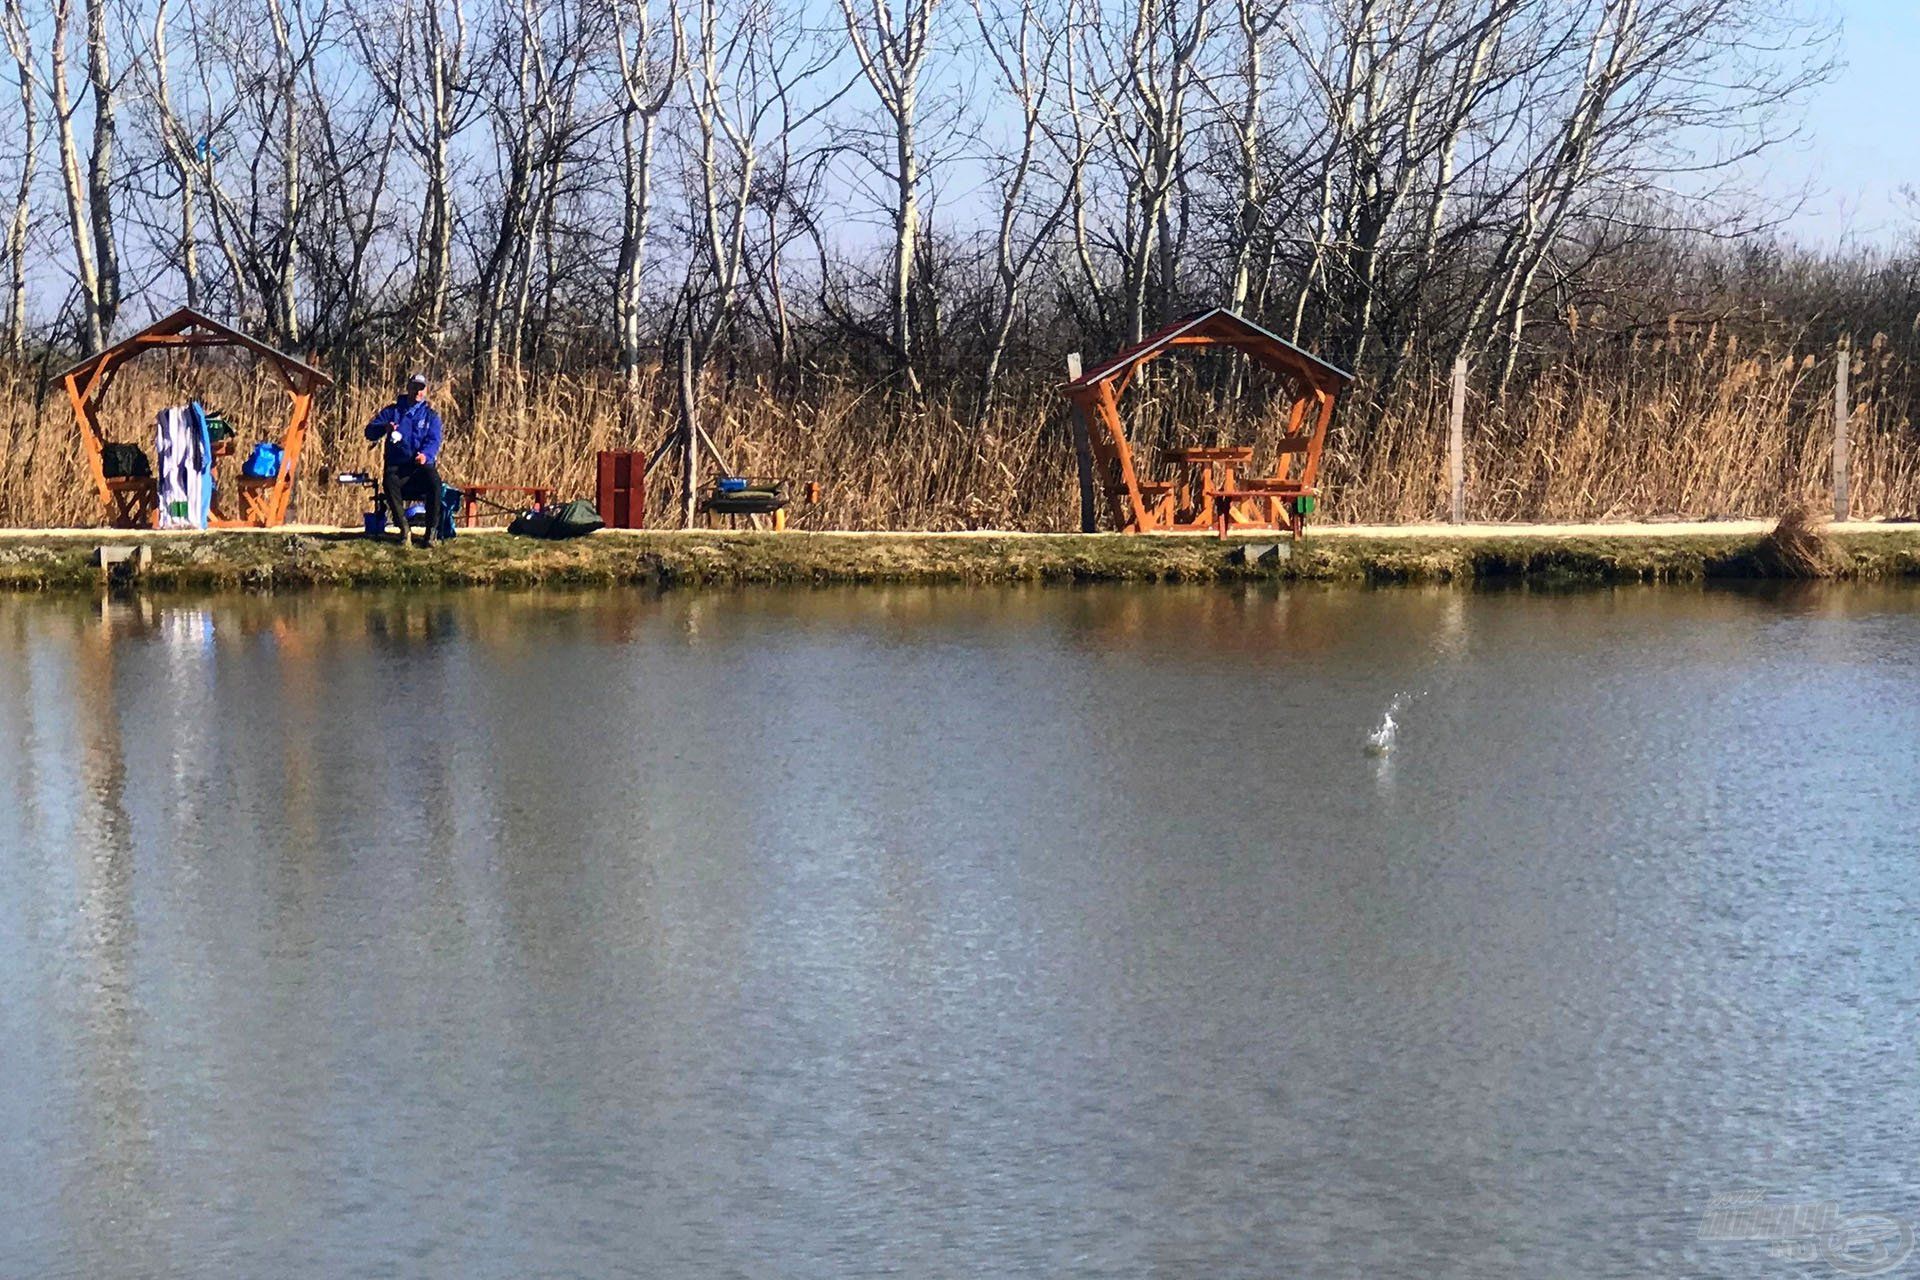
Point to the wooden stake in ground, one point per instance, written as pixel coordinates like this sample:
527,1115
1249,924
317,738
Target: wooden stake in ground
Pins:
689,437
1082,453
1457,442
689,440
1842,411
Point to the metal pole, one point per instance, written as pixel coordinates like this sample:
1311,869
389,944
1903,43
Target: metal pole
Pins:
1082,453
1842,411
1457,441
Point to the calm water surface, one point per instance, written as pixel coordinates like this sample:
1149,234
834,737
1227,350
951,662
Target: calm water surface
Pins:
954,933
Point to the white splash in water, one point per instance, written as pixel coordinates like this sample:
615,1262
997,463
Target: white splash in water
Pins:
1381,740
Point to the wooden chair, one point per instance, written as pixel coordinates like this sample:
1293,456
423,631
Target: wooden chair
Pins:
133,502
1162,499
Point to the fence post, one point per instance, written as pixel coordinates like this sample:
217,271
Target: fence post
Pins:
689,440
1842,411
1082,452
1457,441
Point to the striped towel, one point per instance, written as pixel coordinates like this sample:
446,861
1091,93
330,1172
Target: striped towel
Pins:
183,465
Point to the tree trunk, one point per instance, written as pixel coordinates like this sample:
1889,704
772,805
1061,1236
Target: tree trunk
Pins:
19,43
100,166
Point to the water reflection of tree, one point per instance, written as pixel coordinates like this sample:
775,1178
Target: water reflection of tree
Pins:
121,1167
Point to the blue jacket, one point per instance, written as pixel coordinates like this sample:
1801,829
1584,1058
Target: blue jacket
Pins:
419,428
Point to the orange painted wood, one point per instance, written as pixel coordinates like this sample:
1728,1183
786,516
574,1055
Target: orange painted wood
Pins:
1233,453
1107,408
1311,470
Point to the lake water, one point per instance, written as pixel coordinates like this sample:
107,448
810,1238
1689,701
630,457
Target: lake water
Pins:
960,933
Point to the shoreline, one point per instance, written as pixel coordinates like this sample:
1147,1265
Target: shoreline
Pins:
299,558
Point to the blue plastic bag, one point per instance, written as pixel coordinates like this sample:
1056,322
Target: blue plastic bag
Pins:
264,462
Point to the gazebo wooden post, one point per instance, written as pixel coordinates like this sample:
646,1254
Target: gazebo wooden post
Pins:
1311,470
1283,466
280,498
1127,497
92,442
1113,458
290,460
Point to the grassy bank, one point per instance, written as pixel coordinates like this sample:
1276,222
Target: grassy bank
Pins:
296,561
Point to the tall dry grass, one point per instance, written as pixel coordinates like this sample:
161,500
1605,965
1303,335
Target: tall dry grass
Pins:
1693,423
1688,423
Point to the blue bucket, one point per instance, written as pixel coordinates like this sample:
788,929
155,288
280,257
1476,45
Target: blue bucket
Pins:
376,522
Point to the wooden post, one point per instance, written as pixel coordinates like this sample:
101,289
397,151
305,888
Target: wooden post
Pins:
1457,441
1082,453
689,440
1842,411
280,499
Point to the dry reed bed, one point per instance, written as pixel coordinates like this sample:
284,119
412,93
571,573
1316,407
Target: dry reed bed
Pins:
1690,424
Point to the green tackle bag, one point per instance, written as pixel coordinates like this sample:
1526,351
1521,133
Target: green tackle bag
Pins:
565,520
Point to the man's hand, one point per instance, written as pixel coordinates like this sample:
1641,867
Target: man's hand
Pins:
420,458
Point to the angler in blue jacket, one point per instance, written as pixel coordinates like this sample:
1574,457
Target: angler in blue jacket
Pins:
412,471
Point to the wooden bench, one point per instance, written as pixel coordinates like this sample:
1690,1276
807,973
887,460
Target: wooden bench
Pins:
136,503
1270,494
470,495
257,495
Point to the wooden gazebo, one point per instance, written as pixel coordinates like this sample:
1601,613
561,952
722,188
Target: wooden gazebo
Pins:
133,501
1217,488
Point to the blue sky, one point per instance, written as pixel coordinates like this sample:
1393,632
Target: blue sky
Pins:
1862,139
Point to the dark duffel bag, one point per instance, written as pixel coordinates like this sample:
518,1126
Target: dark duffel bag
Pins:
573,519
532,524
124,461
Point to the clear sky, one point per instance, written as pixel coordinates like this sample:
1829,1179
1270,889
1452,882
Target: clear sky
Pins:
1862,139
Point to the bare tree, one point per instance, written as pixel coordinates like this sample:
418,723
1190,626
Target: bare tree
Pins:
178,146
100,172
19,38
425,76
892,52
1029,50
1150,71
355,137
99,290
648,75
513,183
285,81
748,66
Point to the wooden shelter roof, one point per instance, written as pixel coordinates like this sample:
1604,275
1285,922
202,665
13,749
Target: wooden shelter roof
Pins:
1221,327
189,328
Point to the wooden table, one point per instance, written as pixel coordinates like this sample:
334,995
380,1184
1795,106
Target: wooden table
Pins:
1217,468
